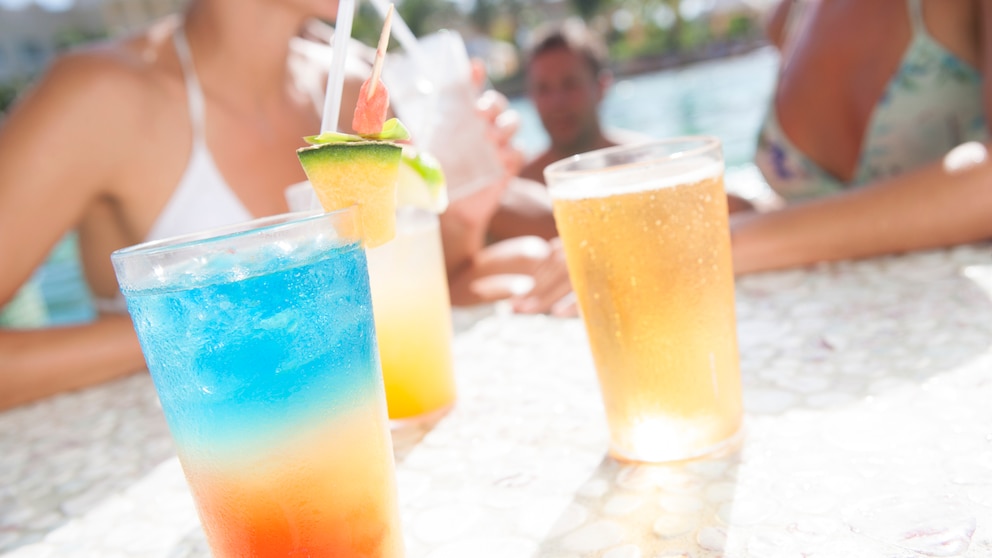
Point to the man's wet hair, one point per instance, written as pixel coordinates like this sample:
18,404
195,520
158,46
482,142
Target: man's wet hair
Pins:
572,35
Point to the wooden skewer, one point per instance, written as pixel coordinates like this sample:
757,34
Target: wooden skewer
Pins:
380,52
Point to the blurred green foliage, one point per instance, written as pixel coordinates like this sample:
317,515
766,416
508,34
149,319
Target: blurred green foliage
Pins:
509,20
70,38
422,16
65,40
634,29
9,92
741,27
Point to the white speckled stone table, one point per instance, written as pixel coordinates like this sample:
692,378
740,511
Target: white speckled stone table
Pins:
868,390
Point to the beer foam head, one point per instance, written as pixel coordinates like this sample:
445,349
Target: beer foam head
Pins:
630,169
615,181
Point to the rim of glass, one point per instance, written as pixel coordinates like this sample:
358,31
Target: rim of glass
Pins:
562,168
227,232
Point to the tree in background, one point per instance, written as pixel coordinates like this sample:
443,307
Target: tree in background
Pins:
72,37
64,40
587,9
422,16
678,25
367,24
426,16
641,34
485,13
8,94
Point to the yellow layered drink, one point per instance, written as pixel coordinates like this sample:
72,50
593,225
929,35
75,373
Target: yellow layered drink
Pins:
413,317
406,261
648,251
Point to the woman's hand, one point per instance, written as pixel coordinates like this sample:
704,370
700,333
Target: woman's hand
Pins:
465,223
475,209
502,120
552,290
528,271
479,274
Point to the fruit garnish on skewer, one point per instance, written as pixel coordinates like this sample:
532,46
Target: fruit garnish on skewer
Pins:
421,182
346,169
363,169
373,99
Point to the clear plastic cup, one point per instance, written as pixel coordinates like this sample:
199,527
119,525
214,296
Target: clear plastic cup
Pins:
433,94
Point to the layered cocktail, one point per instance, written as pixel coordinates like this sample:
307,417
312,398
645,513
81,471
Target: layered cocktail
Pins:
413,318
261,344
406,261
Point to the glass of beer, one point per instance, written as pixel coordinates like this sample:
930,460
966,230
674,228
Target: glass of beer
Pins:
647,244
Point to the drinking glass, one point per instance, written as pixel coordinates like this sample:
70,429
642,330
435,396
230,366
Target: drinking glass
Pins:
260,341
412,313
413,318
646,240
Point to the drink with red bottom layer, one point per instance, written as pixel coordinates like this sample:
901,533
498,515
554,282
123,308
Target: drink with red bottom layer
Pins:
262,348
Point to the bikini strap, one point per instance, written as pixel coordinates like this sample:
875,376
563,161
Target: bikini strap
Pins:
194,94
916,16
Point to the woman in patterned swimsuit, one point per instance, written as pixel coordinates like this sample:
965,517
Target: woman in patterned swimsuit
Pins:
876,133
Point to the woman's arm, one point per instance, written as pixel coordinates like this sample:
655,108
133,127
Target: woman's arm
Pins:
945,203
59,149
941,204
39,363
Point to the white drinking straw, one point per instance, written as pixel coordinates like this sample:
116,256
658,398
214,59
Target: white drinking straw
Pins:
335,79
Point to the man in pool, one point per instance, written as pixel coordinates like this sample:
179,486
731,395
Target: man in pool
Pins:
567,79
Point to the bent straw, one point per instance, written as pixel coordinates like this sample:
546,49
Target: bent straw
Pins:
335,79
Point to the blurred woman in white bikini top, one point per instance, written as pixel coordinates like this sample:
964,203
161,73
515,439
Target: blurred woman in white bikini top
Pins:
190,124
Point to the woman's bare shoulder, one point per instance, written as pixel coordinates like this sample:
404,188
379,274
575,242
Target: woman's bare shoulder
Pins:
101,95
